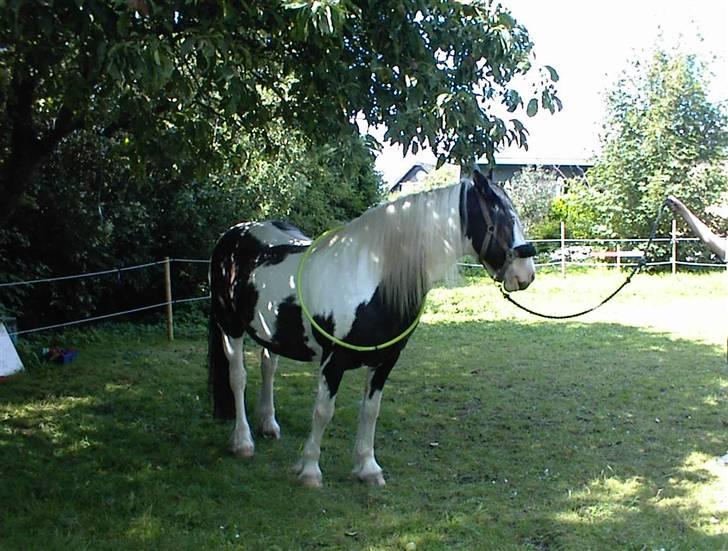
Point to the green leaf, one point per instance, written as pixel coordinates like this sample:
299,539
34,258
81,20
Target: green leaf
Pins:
532,108
552,73
547,103
512,100
122,23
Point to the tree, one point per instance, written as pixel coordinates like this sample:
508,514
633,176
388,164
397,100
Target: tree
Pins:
533,191
88,210
663,136
174,79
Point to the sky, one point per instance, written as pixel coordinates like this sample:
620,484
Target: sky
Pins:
590,44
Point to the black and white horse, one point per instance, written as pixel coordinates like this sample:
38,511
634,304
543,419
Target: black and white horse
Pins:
364,284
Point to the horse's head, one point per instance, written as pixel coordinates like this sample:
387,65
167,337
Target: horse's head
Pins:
496,235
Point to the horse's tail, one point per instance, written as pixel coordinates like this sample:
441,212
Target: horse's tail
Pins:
218,372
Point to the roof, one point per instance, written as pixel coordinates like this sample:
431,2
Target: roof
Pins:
414,169
540,161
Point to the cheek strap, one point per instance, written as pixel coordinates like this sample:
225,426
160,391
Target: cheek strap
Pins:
489,227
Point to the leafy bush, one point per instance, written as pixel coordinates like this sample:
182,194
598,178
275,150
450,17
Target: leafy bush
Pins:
582,210
533,191
90,210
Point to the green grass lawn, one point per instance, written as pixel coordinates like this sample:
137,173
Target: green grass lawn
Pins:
498,431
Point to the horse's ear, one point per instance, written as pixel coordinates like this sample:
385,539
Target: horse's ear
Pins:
482,183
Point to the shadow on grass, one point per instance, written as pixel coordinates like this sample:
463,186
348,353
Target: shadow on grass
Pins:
493,435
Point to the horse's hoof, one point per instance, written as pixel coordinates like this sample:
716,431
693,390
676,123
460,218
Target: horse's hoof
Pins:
310,480
309,476
244,452
270,429
369,472
372,479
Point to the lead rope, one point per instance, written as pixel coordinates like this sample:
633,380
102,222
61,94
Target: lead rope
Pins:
642,262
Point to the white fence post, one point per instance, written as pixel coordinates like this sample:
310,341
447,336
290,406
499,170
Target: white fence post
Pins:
673,259
563,249
619,257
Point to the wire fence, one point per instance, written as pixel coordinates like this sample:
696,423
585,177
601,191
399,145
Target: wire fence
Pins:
82,276
626,253
615,253
165,304
598,252
108,316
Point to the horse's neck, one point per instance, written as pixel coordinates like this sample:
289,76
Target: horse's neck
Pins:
420,239
447,243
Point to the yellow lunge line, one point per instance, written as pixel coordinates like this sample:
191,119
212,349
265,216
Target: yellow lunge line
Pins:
328,335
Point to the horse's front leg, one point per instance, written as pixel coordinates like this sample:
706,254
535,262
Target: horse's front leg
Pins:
309,472
366,467
242,440
266,411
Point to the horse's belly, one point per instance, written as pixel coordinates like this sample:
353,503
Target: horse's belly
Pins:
280,328
278,322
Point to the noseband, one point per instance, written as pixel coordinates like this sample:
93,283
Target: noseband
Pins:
527,250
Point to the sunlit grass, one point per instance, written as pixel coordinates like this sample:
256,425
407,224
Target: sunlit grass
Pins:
498,431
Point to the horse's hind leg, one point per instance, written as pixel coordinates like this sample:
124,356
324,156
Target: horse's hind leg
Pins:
266,411
242,440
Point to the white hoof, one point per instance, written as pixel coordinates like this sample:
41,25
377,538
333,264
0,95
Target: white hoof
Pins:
311,480
373,479
241,446
369,474
269,428
244,452
309,475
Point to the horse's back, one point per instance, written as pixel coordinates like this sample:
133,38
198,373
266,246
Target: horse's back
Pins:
255,237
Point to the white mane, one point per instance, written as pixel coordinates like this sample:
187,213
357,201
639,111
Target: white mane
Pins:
414,240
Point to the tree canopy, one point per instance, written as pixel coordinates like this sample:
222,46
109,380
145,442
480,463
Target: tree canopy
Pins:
663,136
178,81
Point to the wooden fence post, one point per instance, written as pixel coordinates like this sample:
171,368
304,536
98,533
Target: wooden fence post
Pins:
673,258
168,296
563,249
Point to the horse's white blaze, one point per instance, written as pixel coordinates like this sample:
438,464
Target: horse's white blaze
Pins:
518,237
522,270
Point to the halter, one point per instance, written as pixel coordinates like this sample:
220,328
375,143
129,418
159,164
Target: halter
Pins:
527,250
